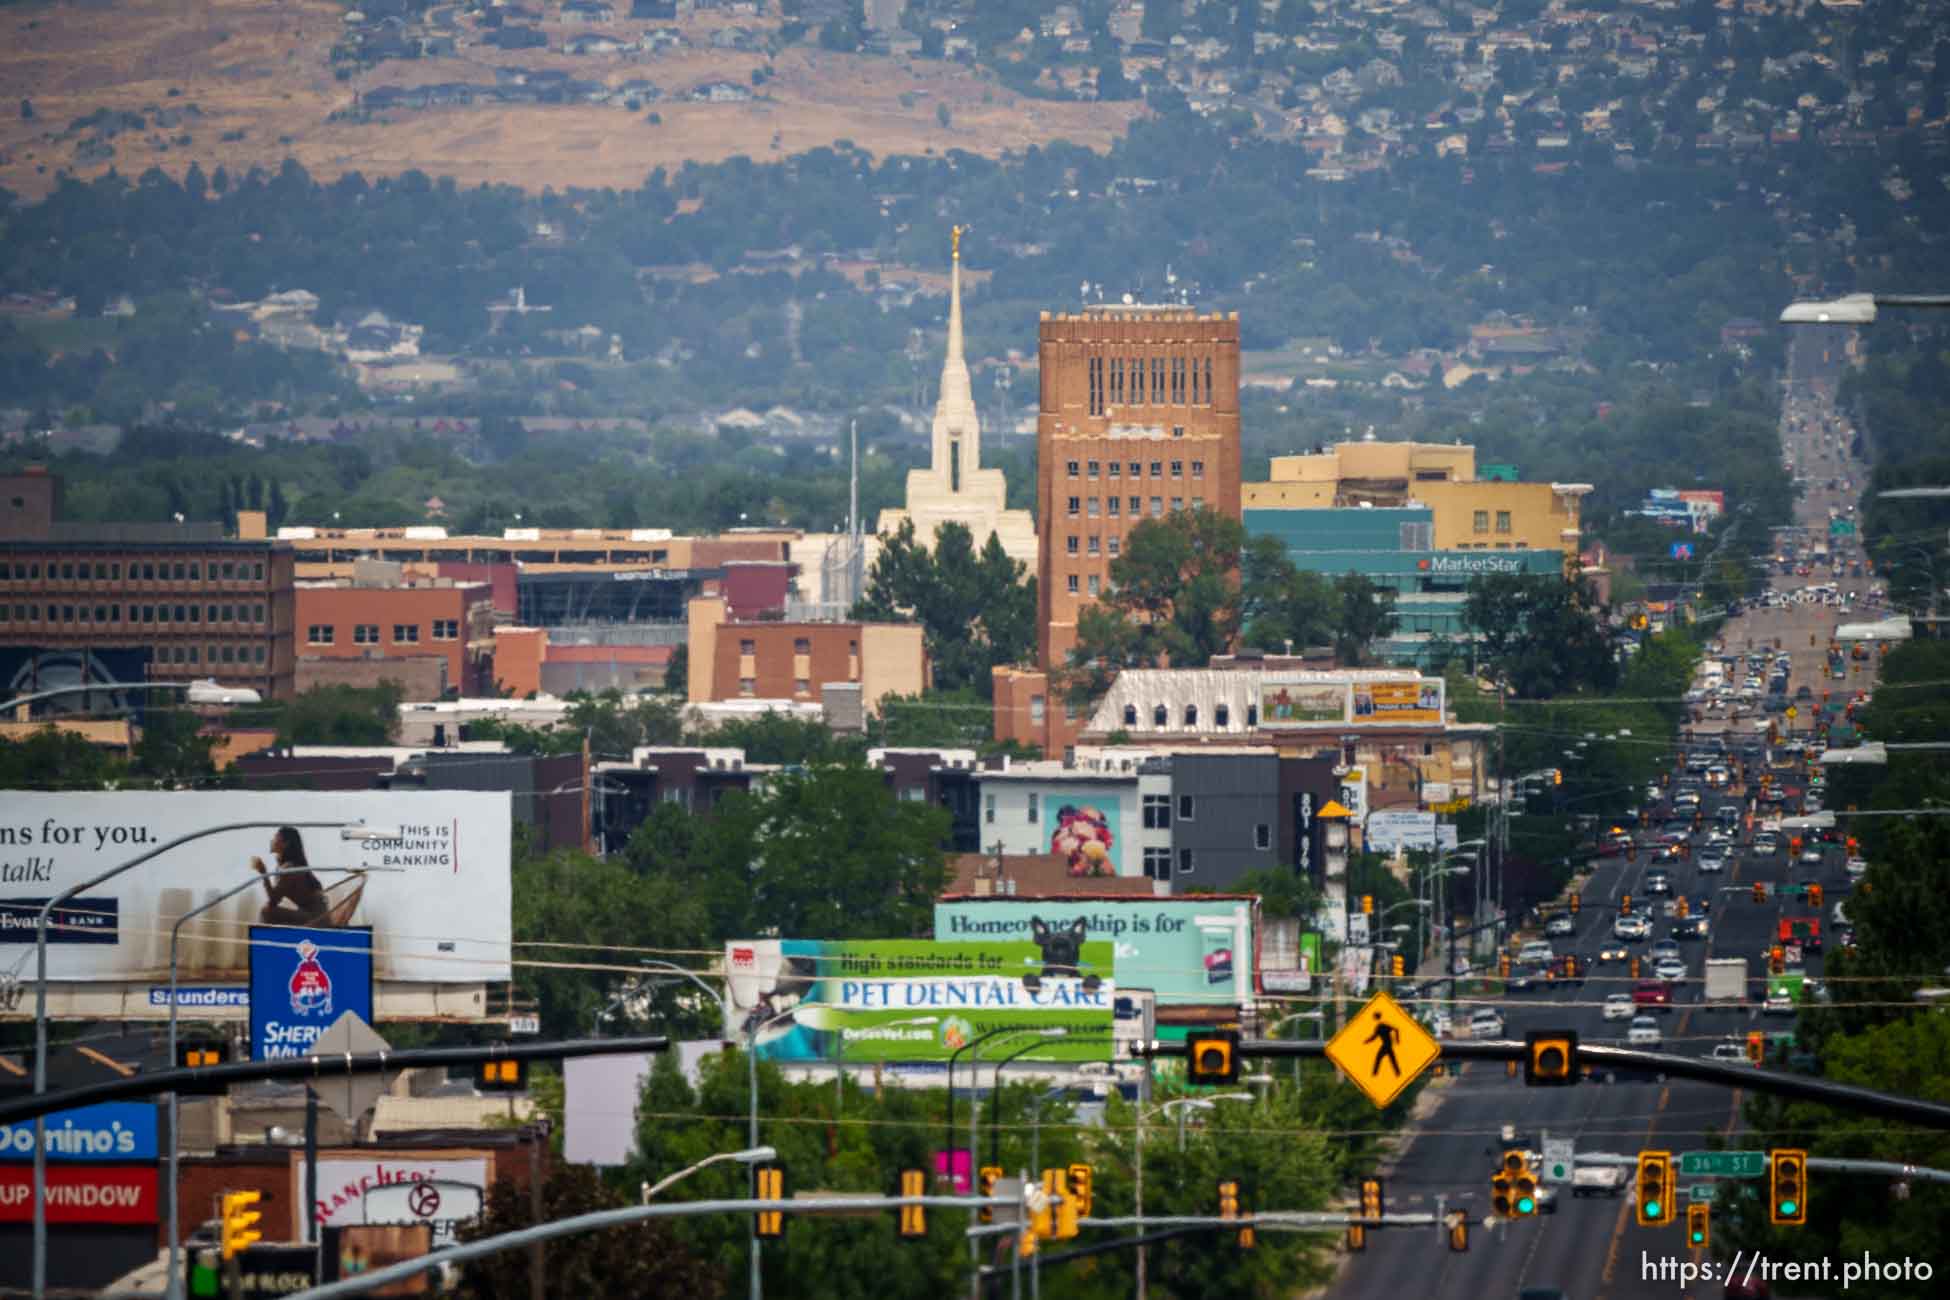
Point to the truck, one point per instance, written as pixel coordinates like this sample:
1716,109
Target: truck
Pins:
1802,930
1726,979
1597,1180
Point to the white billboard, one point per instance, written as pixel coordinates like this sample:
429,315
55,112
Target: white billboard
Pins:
1391,831
346,1184
439,912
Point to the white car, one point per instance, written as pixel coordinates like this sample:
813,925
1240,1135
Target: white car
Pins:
1618,1006
1559,925
1644,1032
1534,951
1631,927
1486,1024
1778,1004
1671,969
1857,868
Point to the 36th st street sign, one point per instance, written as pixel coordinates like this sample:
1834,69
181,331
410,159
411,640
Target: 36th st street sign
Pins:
1724,1164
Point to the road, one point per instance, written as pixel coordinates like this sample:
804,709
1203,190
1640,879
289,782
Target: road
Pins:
1592,1249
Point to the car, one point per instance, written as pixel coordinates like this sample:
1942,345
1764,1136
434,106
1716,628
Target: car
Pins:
1619,1006
1535,951
1560,925
1689,927
1631,928
1805,693
1643,1032
1486,1023
1856,868
1613,952
1730,1052
1712,859
1652,993
1672,970
1664,950
1778,1003
1525,978
1810,857
1658,881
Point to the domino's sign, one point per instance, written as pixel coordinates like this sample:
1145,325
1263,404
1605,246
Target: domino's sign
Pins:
120,1131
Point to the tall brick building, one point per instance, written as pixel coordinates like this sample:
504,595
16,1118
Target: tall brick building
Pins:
1139,416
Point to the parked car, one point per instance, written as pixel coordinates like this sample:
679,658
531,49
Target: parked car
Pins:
1597,1180
1536,951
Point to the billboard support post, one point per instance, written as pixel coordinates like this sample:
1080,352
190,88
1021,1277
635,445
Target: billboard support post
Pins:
40,999
174,1285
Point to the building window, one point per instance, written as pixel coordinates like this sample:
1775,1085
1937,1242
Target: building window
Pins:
1117,381
1262,836
365,634
1096,585
1091,508
320,634
257,613
1177,430
1177,504
1178,469
1137,468
1198,469
1191,715
1252,716
1115,466
1157,469
1157,507
1481,522
257,572
802,645
1159,716
747,686
1184,807
1075,505
988,809
1137,506
1221,716
209,613
1034,811
446,629
258,654
1070,584
1503,521
748,647
406,633
1116,545
193,654
1184,862
1130,715
1095,544
802,686
1178,381
1037,708
1093,469
196,574
1073,466
1157,812
1070,544
1157,864
1096,385
1115,505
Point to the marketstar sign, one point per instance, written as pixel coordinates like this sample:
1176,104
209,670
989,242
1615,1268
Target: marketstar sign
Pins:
1469,562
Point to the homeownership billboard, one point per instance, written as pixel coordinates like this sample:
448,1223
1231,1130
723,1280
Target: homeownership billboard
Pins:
913,1001
439,914
1191,950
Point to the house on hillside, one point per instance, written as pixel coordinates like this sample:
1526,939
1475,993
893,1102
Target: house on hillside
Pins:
721,92
587,11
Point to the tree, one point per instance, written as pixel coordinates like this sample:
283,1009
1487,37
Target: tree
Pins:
1283,606
976,611
52,759
172,748
1540,633
647,1258
1366,613
341,715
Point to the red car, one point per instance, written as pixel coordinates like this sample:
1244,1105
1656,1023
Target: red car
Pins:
1652,993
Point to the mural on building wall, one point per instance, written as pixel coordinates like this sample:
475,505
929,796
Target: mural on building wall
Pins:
1085,835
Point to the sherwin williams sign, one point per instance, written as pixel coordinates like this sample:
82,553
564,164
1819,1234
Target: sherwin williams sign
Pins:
1190,950
916,1001
122,1131
302,981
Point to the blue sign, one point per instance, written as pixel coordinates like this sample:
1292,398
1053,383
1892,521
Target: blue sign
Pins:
119,1131
303,979
1682,550
79,920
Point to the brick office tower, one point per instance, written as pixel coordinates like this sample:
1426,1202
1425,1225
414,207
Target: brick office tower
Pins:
1139,416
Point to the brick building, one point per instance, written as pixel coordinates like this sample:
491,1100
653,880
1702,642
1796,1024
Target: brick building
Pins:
796,661
384,623
169,602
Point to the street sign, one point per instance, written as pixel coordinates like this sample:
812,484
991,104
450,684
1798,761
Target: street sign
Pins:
1698,1192
1382,1049
1724,1164
1558,1159
354,1094
1791,712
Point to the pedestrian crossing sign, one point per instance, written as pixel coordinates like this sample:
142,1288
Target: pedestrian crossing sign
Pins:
1382,1049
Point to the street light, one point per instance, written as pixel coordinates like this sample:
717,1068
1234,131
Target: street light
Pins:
202,691
995,1089
749,1156
352,831
1855,308
1142,1288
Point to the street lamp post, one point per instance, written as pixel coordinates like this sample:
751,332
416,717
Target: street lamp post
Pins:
173,1284
948,1152
749,1156
995,1091
751,1139
1856,308
347,830
202,691
1143,1290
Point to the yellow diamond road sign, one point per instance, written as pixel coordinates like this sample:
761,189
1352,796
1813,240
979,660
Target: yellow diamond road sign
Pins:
1791,713
1382,1049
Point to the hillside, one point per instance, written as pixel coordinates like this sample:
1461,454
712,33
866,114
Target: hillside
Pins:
139,83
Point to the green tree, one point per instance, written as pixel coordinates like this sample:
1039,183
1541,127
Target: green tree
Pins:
1365,613
977,610
1540,633
1282,604
341,715
52,759
172,748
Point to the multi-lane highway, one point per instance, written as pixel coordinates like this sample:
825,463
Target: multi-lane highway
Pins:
1591,1248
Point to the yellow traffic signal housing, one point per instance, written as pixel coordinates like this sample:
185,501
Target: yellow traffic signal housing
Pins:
239,1222
1776,959
1524,1189
1787,1181
1760,892
1698,1233
1653,1189
1247,1240
1371,1200
1503,965
1397,966
1633,967
1683,907
1357,1237
501,1076
1459,1232
1511,1068
1213,1057
1814,897
768,1184
1080,1189
1063,1206
1503,1185
201,1056
985,1181
914,1218
1756,1047
1550,1058
1576,903
1367,904
1228,1199
1624,904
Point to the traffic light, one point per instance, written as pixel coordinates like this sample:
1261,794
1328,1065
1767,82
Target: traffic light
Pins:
1511,1068
1357,1237
1777,959
1814,897
1503,1185
1624,904
1550,1058
1576,902
501,1076
1756,1047
1760,892
1228,1199
1213,1057
1371,1200
201,1056
1063,1206
985,1180
1634,967
1787,1180
239,1221
1080,1188
1247,1239
1503,965
1683,907
768,1184
914,1218
1632,848
1397,966
1654,1189
1459,1232
1573,966
1523,1188
1367,904
1697,1235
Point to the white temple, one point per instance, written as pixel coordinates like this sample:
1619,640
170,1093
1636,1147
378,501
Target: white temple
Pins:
955,488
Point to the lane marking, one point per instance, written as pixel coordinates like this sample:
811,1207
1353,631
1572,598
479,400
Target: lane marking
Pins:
1627,1210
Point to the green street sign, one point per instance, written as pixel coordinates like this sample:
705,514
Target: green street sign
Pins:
1724,1164
1698,1192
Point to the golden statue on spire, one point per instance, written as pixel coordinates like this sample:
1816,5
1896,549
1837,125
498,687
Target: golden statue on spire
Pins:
956,236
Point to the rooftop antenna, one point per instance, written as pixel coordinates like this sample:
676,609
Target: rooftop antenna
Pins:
853,486
1083,291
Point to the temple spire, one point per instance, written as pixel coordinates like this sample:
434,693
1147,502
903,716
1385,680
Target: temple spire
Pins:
957,428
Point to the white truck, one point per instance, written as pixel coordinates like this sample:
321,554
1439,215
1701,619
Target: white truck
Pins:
1726,979
1597,1180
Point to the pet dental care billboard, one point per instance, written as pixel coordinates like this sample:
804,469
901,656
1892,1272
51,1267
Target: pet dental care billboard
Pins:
436,898
915,1002
1190,951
